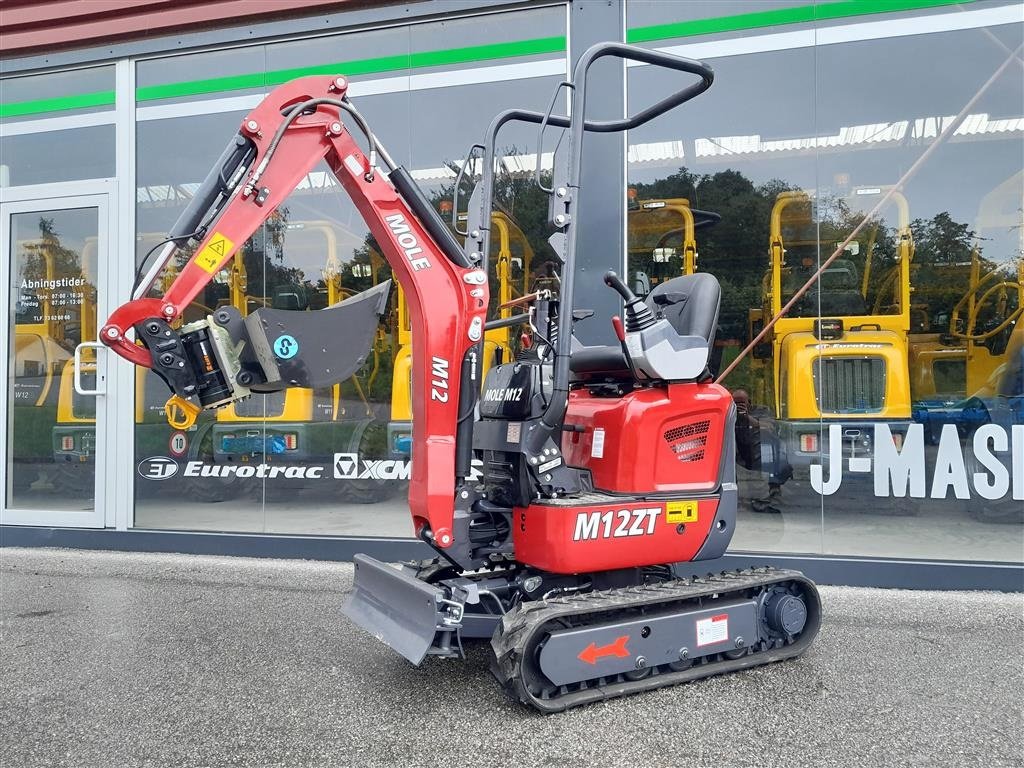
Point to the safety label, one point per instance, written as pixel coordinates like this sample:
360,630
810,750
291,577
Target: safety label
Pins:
713,630
681,512
549,465
286,347
597,446
211,256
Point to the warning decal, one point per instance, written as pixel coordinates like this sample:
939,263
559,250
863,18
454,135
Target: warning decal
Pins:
597,446
211,256
681,512
713,630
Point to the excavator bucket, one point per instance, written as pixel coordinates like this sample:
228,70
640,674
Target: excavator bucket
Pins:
321,348
398,609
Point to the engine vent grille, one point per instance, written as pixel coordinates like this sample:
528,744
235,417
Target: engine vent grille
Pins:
688,441
850,384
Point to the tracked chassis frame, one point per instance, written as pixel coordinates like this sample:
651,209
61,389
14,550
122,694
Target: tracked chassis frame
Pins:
524,637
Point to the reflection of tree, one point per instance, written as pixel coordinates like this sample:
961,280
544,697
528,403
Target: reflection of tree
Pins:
517,195
942,264
266,265
265,260
941,240
366,268
65,262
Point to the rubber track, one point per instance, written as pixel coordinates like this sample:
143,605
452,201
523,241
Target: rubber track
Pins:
519,628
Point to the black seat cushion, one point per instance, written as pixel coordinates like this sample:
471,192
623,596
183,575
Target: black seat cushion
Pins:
601,362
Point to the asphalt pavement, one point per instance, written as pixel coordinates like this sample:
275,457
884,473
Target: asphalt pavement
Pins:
122,660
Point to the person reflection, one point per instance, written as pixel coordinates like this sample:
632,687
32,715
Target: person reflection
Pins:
757,449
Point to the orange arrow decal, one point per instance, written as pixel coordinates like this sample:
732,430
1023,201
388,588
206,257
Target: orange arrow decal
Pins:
592,652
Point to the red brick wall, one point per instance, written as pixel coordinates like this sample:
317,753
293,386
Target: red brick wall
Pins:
28,26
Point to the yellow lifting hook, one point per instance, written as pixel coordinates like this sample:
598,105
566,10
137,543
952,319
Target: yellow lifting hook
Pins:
181,414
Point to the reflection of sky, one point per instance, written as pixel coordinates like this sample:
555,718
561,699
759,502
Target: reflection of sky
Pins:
786,96
850,91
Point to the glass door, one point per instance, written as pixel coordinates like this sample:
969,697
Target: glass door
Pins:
54,255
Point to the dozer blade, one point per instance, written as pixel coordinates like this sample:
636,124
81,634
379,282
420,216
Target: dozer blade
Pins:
398,609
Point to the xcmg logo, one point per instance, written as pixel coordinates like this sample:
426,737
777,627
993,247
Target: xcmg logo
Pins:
348,466
158,468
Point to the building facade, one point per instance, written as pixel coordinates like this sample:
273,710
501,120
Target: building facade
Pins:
881,422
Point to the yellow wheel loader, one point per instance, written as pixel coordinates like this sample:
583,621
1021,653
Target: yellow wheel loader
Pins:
662,241
840,355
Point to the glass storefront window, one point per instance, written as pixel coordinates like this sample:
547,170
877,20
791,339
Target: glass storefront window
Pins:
677,160
178,79
952,222
57,127
879,416
50,433
335,461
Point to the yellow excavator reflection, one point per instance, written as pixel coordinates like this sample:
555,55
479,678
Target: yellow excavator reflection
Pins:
990,313
40,339
74,432
959,358
986,332
74,429
662,240
295,425
45,336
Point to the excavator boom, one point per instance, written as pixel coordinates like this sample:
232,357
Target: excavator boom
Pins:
279,142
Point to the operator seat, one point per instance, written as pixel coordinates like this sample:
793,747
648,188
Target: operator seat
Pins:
690,303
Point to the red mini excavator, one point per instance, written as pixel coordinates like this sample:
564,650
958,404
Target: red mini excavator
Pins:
599,466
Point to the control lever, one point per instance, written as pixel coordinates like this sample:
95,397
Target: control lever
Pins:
620,331
654,350
638,315
620,334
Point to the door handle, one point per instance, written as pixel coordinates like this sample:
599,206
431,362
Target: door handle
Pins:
100,379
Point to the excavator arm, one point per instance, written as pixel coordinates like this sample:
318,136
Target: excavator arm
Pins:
279,142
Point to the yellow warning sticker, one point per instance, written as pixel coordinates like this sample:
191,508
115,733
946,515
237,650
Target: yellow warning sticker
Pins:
681,512
213,254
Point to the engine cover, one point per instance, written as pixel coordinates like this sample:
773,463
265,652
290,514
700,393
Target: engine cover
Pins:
663,466
654,440
599,532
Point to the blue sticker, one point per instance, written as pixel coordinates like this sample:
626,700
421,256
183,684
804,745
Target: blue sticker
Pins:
286,347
